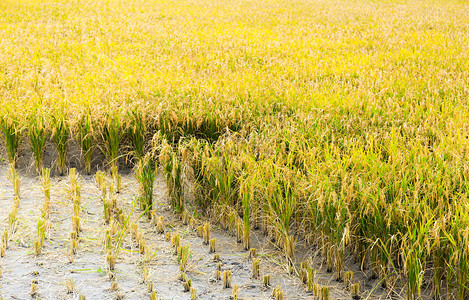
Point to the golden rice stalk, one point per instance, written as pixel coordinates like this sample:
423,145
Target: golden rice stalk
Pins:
212,245
160,225
193,294
266,280
310,277
235,292
255,268
355,291
34,288
217,275
348,279
227,274
187,285
145,274
206,233
252,253
114,285
325,293
277,293
70,285
154,295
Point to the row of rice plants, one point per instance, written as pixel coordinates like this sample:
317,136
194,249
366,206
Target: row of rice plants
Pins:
391,196
396,228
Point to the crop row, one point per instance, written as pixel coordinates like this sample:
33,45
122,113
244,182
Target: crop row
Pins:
397,204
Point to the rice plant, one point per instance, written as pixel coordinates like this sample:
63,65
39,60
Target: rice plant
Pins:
217,275
227,275
255,268
193,293
325,292
5,240
235,292
212,243
114,285
37,133
145,274
41,233
61,136
70,285
145,171
184,257
12,220
73,242
220,181
74,191
138,130
154,296
150,286
16,181
112,132
206,233
246,195
277,293
281,206
12,129
267,280
355,291
85,137
173,172
34,288
252,253
46,185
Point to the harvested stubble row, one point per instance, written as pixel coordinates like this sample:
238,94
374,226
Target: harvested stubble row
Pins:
347,128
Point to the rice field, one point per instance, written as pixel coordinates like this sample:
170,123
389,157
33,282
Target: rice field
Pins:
337,130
